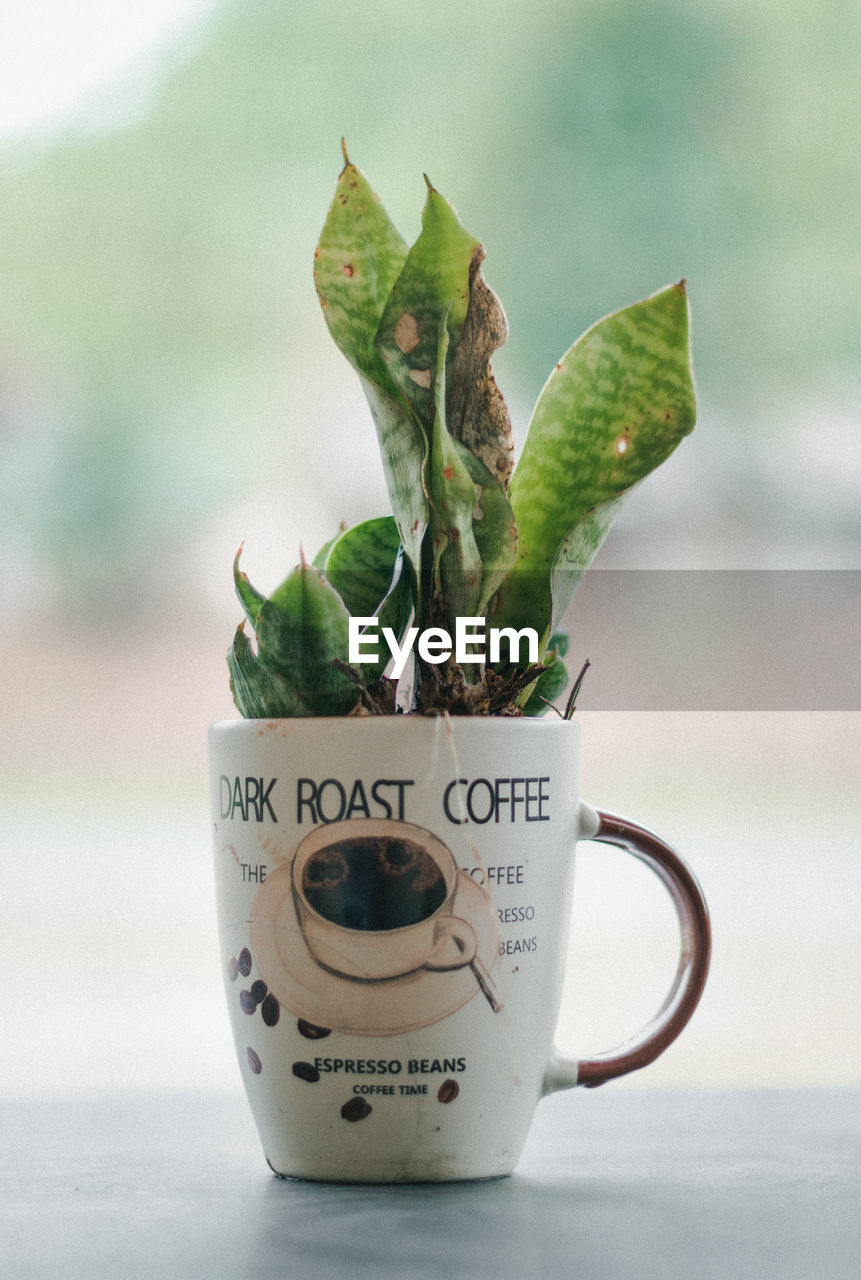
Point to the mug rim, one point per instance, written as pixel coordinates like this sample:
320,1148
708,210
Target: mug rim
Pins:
542,724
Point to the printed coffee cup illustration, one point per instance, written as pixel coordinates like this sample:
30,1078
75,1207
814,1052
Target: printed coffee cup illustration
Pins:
375,900
371,927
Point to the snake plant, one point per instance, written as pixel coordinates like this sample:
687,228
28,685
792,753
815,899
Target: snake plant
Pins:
471,534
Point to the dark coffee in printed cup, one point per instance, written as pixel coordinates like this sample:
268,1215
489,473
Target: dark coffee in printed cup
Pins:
373,883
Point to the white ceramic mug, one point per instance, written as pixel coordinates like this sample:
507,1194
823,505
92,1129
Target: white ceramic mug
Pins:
412,1040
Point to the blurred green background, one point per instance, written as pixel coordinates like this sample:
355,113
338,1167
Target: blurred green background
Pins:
168,388
163,358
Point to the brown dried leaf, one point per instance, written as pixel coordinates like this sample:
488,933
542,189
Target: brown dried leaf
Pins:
475,410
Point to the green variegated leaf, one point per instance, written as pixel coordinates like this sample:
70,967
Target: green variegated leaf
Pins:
577,551
249,597
361,562
404,448
431,291
366,567
560,642
397,608
614,408
320,558
259,694
359,257
396,612
472,525
492,525
301,629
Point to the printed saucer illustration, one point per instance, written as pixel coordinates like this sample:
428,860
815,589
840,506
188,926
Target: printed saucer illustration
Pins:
366,957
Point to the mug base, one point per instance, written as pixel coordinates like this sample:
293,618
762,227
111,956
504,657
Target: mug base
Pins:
401,1178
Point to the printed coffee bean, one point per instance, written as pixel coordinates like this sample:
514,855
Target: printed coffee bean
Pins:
448,1091
310,1032
356,1109
270,1010
307,1071
233,969
247,1002
244,962
254,1061
258,990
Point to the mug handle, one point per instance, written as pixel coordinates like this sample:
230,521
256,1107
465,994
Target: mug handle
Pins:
695,951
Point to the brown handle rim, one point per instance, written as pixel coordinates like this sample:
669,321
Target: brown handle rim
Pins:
694,956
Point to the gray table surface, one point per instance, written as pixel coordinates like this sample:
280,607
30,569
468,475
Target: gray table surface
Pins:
614,1183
